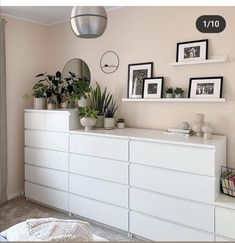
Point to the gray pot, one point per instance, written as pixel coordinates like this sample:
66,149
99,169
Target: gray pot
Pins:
100,122
109,123
169,96
39,103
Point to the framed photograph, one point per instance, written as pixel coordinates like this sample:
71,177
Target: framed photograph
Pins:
192,50
153,88
136,74
201,88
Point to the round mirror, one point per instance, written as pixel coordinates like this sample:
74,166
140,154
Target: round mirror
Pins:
78,67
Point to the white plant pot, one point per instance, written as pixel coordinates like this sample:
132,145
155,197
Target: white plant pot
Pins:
120,125
109,123
39,103
169,96
84,102
88,122
178,96
100,122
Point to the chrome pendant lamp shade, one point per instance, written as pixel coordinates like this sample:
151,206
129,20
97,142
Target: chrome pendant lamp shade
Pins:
88,22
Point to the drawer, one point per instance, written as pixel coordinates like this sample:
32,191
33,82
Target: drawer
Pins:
107,214
97,189
180,211
99,146
47,177
224,222
57,122
47,158
158,230
34,120
195,187
175,157
47,140
100,168
54,198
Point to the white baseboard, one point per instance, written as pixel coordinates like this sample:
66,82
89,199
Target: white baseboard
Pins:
13,195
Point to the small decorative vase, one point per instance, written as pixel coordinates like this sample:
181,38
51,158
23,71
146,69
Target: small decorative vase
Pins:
169,96
109,123
84,102
185,126
207,129
178,96
51,106
100,122
39,103
88,122
120,125
197,125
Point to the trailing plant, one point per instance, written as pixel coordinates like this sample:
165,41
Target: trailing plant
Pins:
169,90
120,120
111,109
87,112
100,100
178,91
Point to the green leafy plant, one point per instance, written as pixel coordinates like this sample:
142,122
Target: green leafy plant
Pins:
120,120
87,112
111,109
39,90
178,91
100,100
169,90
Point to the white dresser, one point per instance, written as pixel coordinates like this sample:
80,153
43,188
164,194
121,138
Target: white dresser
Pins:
152,185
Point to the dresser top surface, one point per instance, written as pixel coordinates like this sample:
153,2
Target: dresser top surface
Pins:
225,201
57,111
153,135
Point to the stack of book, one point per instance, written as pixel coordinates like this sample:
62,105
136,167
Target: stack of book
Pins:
179,132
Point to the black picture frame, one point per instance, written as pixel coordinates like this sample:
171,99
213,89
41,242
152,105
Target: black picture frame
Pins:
131,67
220,87
191,42
161,92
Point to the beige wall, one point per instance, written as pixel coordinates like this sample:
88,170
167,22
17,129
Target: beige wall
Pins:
137,34
143,34
25,57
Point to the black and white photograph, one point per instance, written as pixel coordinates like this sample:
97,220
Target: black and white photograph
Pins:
136,75
205,87
153,88
192,50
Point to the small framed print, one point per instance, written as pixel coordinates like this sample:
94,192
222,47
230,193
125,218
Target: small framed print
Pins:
153,88
192,50
210,87
136,75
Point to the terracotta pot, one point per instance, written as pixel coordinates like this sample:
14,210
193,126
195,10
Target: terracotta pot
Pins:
51,106
109,123
88,122
39,103
64,105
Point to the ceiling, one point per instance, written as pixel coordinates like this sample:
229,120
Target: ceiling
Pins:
41,14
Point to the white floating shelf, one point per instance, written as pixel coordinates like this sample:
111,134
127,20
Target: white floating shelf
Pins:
176,100
213,59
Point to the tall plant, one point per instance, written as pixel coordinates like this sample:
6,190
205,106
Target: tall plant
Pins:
111,109
100,100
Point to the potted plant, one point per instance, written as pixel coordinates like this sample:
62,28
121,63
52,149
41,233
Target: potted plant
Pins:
79,88
100,100
178,92
109,120
39,94
88,117
120,123
169,92
51,104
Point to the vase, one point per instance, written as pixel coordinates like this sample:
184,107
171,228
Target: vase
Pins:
88,122
169,96
51,106
120,125
109,123
207,130
84,102
197,125
39,103
100,122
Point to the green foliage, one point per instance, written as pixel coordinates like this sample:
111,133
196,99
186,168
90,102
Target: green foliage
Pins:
111,109
120,120
169,90
87,112
178,90
100,100
39,90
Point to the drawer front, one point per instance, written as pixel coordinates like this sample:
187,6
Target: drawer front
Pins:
220,238
180,211
54,198
34,120
99,168
57,122
47,177
47,140
99,146
199,188
175,157
98,211
97,189
158,230
224,222
47,158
